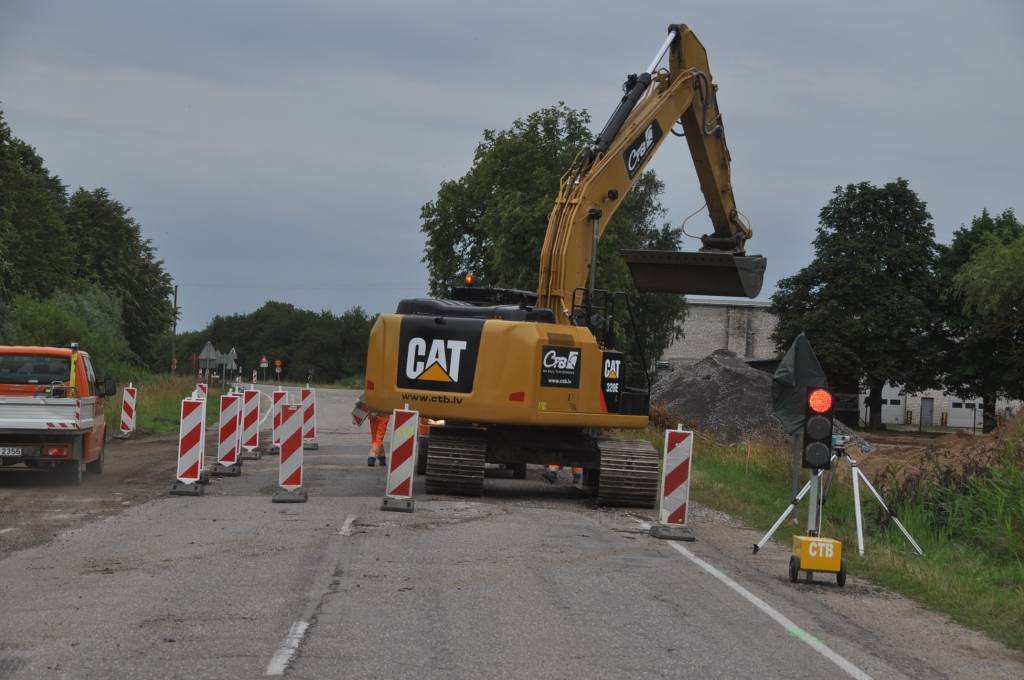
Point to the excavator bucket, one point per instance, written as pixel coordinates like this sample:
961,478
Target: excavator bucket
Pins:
702,273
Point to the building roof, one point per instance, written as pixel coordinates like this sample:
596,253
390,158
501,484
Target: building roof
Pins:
727,302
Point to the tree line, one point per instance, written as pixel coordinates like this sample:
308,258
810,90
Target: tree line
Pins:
327,346
881,301
75,267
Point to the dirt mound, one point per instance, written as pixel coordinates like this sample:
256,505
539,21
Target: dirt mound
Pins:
722,396
949,461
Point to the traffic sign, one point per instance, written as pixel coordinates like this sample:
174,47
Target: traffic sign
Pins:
263,362
277,369
277,362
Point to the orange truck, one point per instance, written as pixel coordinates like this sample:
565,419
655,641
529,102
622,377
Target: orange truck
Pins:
51,410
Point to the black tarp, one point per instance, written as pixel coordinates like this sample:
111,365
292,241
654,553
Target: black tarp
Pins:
797,371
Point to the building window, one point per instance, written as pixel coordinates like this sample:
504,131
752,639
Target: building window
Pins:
957,404
894,402
970,406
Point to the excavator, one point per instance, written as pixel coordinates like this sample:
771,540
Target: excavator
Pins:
521,378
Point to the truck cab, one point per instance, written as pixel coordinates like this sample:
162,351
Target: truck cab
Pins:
51,410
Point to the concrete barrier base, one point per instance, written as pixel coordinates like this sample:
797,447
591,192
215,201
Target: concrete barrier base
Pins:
285,496
672,532
397,504
183,489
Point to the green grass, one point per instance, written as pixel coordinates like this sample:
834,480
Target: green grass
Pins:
159,402
973,537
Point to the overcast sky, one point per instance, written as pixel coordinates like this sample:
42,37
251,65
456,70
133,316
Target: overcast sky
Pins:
282,150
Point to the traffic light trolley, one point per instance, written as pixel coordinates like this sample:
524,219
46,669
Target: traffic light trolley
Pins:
813,552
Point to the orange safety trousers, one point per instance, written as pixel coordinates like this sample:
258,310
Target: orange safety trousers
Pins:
378,430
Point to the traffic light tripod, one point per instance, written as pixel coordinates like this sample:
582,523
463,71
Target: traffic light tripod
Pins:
814,515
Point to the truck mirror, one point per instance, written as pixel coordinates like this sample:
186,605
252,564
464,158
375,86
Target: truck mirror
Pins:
106,388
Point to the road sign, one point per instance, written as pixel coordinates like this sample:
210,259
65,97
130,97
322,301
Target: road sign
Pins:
277,369
263,362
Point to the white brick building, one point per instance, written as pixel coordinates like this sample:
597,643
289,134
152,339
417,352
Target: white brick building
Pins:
743,326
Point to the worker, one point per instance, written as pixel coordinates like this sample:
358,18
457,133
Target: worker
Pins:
552,474
378,430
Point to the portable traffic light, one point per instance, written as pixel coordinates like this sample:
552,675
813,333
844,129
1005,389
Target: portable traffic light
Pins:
817,452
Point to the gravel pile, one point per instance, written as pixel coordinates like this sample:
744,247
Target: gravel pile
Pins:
721,395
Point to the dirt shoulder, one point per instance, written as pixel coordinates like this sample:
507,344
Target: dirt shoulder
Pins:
35,506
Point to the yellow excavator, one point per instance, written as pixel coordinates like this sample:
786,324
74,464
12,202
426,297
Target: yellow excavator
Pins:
521,378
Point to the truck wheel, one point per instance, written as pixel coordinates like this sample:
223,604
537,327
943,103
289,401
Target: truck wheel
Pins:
71,472
794,568
519,471
96,467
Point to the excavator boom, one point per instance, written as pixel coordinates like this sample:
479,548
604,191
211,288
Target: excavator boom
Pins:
592,189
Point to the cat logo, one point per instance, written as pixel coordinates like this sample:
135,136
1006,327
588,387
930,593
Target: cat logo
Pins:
440,357
612,368
438,363
638,152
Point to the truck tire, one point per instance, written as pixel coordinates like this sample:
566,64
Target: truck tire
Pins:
96,467
70,472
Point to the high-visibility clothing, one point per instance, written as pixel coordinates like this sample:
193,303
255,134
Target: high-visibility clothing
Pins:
378,430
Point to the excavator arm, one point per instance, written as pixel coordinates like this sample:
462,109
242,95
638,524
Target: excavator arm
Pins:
595,185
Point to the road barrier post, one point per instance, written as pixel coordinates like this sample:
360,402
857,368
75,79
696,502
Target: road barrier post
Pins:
289,475
674,487
228,462
280,398
401,461
251,424
129,399
191,444
308,400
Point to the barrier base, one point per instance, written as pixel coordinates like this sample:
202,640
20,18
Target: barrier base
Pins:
311,446
286,496
183,489
252,455
233,470
204,476
672,532
274,450
397,504
123,435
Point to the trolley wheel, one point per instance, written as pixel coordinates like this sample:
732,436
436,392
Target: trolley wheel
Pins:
841,574
794,568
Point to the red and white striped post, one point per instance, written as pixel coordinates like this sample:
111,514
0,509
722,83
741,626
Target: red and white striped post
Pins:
307,397
129,399
191,444
228,464
279,398
401,461
289,471
674,487
251,424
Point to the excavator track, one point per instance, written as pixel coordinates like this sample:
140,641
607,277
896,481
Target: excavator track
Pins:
629,473
455,461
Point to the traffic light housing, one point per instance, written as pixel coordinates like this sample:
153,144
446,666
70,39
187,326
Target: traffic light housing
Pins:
818,416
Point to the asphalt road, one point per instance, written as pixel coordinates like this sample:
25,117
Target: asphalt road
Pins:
532,581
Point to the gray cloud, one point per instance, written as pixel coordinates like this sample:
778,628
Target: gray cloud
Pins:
283,150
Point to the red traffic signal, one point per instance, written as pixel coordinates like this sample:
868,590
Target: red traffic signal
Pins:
469,279
820,400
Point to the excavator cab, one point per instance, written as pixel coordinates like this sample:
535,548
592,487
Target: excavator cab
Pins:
696,273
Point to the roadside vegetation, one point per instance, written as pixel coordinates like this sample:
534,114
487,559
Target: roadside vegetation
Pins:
971,529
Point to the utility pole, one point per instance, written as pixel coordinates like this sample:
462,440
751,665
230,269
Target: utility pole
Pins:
174,331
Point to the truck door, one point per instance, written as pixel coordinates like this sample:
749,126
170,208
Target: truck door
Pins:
94,440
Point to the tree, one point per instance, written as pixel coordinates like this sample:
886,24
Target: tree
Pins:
866,300
35,247
491,221
979,352
111,252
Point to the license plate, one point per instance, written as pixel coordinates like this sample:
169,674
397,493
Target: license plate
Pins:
10,450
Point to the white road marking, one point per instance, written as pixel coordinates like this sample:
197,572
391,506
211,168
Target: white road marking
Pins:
346,528
279,663
8,530
791,628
